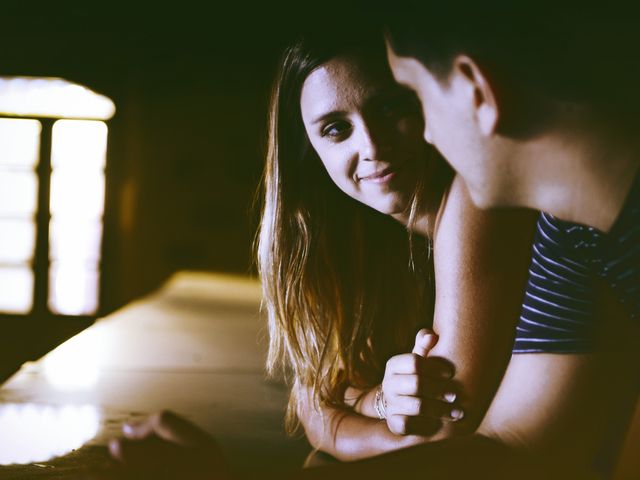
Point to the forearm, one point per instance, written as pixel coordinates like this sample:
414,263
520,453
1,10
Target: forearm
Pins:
349,436
467,457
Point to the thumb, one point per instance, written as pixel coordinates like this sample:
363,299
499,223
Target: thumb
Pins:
425,340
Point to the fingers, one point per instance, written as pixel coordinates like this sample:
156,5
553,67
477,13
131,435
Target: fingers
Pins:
412,363
425,407
410,395
425,341
419,390
415,386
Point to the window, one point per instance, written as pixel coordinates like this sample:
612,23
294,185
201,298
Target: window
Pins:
53,143
19,146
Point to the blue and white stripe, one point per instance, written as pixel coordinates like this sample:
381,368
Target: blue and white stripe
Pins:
568,262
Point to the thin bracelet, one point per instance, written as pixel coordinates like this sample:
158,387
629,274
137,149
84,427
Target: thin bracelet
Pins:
379,404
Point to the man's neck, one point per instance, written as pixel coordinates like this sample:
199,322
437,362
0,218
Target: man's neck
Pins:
580,178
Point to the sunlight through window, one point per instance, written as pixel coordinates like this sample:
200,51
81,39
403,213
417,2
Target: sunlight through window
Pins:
77,194
18,193
16,289
78,158
51,97
73,288
17,241
19,151
79,144
71,117
73,240
19,141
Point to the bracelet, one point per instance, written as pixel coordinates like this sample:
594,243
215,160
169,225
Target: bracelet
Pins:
380,404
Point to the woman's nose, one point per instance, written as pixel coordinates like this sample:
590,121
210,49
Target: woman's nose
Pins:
374,145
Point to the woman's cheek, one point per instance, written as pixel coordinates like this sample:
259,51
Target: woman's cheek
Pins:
338,174
410,127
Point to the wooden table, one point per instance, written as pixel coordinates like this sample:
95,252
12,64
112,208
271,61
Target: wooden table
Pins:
196,347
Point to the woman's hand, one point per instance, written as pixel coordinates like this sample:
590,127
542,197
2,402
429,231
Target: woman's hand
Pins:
418,392
166,446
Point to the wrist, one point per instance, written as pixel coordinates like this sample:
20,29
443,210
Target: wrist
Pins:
363,402
379,404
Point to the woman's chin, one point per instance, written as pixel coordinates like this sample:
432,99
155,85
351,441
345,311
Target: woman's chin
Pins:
393,208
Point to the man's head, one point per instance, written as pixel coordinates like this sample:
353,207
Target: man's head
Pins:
492,81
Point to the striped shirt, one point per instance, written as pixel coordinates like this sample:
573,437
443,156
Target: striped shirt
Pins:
569,261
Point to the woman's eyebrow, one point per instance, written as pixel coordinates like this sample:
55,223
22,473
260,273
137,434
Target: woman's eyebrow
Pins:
329,116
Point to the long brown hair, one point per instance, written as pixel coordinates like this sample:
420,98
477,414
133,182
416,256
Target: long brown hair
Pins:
340,292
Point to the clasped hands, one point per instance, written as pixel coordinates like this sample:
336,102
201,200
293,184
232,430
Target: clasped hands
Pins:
418,391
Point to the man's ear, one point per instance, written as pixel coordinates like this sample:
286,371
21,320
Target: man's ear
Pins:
483,104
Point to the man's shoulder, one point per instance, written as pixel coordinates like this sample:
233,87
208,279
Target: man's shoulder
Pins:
564,235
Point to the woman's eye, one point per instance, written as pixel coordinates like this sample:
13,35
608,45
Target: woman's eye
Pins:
335,129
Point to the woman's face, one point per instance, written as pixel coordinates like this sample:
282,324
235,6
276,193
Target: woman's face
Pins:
366,129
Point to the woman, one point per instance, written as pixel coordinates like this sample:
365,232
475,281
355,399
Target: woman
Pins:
354,200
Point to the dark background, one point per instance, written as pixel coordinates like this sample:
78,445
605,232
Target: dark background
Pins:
190,84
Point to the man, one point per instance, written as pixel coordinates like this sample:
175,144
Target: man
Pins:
539,109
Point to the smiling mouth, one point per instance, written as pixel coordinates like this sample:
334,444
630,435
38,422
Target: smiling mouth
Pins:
383,176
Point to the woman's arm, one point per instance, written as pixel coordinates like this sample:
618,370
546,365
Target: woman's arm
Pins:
481,260
349,436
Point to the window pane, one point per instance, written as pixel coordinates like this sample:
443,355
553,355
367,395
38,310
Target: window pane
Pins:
19,142
73,289
17,240
16,289
77,194
18,193
51,97
75,241
79,144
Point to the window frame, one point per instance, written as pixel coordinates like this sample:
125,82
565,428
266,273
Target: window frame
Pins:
41,262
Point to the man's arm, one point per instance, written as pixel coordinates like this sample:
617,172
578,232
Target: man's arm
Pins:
461,458
550,418
481,261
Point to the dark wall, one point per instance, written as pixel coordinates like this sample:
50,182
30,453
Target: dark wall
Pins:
185,147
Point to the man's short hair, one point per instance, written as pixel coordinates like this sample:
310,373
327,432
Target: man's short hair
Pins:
565,54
